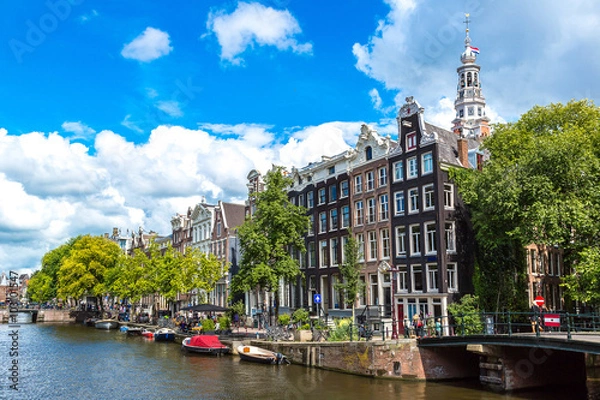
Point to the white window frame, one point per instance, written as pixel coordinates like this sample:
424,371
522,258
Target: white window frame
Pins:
452,273
360,242
322,222
371,210
414,269
310,199
384,207
413,200
311,225
428,197
372,245
399,203
344,189
333,253
448,196
432,278
383,178
359,213
415,239
427,163
450,236
323,253
345,216
412,168
322,196
370,181
430,238
400,241
384,235
358,184
402,278
334,219
398,171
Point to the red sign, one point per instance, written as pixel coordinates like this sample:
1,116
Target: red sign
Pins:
552,320
539,301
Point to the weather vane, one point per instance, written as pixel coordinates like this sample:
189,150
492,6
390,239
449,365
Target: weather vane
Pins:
466,21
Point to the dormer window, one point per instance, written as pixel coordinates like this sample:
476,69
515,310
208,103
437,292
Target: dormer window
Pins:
332,170
369,153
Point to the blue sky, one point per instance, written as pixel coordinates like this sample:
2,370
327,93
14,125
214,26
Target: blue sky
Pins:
125,113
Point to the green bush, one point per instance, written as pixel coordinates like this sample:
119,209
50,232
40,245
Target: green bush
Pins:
467,315
284,319
208,325
224,321
341,332
300,317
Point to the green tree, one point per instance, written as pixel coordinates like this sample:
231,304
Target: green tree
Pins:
133,278
268,239
198,270
85,269
467,315
351,284
43,285
539,186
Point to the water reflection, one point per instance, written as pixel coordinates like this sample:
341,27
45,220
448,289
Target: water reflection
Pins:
76,362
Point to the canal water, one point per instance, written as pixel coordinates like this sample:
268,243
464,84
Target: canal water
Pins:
71,361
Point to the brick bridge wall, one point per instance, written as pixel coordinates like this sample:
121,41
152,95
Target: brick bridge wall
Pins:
401,359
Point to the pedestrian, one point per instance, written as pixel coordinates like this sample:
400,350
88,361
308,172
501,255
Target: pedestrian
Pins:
417,324
535,318
406,327
438,328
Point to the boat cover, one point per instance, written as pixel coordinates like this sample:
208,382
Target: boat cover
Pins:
211,341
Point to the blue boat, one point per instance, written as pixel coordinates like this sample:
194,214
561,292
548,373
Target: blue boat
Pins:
164,335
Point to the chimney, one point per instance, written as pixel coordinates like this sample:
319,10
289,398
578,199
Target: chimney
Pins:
463,152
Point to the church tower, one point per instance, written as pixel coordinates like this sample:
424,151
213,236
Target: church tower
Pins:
470,117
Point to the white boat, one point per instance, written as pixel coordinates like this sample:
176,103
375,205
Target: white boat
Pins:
262,356
106,324
164,335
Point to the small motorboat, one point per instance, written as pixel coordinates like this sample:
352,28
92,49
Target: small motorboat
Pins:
204,344
164,335
90,321
107,324
148,333
123,328
262,356
133,331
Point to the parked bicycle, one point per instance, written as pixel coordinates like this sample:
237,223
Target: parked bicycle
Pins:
277,333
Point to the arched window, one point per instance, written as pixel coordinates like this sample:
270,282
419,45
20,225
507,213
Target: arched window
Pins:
476,80
469,79
462,80
369,153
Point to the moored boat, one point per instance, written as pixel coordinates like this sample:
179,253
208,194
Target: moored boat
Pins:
164,335
148,333
107,324
90,321
133,331
262,356
204,344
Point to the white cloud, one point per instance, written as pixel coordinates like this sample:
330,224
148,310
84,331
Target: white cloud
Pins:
148,46
417,59
129,124
170,107
254,24
80,130
52,189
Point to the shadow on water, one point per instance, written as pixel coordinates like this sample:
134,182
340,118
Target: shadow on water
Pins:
71,361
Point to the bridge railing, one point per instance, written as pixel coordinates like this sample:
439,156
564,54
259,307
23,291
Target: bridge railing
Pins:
508,323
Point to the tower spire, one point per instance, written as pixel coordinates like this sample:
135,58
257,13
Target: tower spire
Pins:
470,117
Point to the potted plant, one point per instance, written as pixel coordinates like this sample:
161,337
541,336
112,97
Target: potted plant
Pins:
300,318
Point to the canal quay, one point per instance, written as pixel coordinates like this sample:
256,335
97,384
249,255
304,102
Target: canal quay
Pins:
69,361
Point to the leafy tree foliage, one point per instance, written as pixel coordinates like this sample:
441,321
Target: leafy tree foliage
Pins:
85,269
467,315
44,283
350,269
540,186
266,240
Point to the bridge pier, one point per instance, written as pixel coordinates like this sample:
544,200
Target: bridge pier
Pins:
509,368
